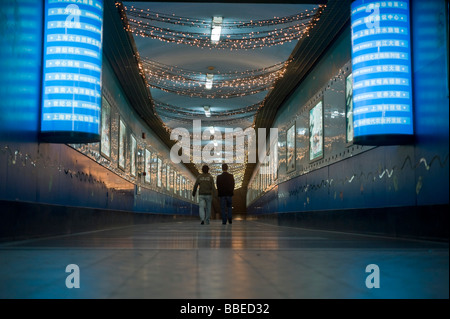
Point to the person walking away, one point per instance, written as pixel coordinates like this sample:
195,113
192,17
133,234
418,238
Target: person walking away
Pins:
206,189
225,188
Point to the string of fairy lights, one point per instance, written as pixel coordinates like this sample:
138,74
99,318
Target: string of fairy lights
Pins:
216,94
215,115
226,85
248,120
154,16
269,32
246,41
225,76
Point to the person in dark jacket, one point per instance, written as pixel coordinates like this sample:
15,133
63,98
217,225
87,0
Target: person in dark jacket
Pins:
225,188
205,183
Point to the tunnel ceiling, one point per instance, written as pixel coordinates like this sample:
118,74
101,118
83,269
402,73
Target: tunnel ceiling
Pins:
251,77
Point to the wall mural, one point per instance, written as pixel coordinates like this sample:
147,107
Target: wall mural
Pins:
290,149
122,144
105,142
316,132
133,149
349,107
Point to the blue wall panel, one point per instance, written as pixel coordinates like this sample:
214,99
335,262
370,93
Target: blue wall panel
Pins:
317,189
347,191
154,202
268,203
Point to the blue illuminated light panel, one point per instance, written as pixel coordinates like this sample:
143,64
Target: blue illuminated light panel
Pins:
381,66
71,96
20,65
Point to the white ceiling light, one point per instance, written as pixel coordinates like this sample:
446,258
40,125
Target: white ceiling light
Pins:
207,110
212,130
216,29
209,81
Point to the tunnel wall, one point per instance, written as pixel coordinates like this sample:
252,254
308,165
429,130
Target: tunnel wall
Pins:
54,189
399,190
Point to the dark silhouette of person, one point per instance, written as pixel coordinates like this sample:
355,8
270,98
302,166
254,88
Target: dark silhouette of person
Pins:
225,188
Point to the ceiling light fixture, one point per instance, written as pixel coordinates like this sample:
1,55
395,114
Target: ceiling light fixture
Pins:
209,81
216,29
207,110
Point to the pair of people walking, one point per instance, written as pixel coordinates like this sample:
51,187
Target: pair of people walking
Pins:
225,189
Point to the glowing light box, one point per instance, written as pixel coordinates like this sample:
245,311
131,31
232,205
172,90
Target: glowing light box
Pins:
72,64
381,66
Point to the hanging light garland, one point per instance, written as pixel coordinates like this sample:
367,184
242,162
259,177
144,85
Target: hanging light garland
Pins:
245,120
150,15
226,75
219,94
189,112
144,23
226,85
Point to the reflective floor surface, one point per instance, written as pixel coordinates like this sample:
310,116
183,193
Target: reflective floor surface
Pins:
245,260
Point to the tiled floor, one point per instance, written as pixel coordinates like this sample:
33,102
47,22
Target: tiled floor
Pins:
247,259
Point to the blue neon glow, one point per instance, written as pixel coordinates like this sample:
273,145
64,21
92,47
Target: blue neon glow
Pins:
381,60
20,65
72,66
